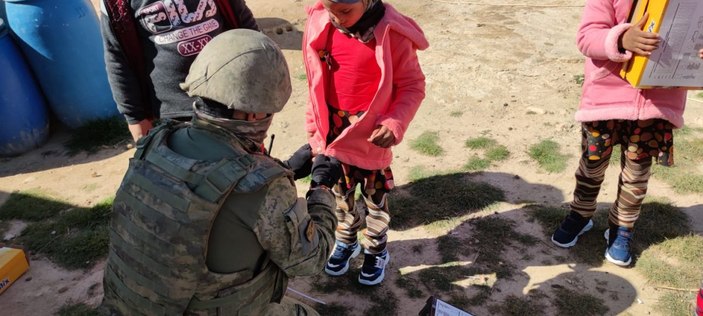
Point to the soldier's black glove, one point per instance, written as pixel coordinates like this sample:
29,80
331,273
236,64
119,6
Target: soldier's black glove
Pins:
325,171
300,162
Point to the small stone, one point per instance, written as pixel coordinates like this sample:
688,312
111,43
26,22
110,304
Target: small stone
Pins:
63,289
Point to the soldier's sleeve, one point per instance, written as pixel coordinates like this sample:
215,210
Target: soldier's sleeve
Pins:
297,233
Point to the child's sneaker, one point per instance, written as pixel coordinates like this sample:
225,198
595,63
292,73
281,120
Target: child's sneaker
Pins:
338,262
573,226
618,251
373,270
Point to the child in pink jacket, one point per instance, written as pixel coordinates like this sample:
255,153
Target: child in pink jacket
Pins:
612,112
365,86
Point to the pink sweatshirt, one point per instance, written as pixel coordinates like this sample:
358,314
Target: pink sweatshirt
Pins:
400,91
605,94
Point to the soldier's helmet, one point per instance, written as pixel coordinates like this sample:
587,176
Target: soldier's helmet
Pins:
243,70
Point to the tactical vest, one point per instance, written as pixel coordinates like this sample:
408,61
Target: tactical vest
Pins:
162,216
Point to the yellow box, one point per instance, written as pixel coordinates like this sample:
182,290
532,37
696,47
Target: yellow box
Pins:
13,263
675,63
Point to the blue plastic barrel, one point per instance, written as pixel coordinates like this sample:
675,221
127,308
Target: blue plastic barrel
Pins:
24,122
61,41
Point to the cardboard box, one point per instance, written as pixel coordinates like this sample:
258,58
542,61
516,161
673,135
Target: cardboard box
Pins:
13,263
675,63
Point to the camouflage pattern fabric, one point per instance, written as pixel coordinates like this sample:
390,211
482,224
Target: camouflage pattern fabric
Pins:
162,217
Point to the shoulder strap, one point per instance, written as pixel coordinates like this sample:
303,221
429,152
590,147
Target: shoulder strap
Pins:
124,27
228,13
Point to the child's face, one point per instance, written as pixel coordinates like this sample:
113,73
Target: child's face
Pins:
345,14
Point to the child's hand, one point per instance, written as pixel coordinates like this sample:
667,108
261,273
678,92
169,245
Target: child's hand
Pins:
700,53
382,137
638,41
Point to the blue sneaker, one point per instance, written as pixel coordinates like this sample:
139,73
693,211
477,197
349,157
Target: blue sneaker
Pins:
373,270
573,226
338,263
618,252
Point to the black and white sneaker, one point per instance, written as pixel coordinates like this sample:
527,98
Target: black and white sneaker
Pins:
338,263
373,270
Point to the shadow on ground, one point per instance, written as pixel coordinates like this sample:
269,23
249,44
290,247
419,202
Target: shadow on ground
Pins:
480,265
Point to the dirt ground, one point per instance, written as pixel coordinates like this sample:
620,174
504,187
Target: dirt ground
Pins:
504,69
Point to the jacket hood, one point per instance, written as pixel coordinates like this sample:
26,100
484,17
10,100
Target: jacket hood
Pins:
392,20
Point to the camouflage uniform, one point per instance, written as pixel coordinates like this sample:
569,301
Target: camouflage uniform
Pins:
204,223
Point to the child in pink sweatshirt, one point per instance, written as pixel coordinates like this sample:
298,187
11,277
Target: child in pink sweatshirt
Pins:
612,112
365,86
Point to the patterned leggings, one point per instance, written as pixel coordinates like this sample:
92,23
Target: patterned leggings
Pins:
632,188
375,188
641,142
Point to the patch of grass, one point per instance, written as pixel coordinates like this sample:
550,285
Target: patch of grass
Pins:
97,134
493,235
439,198
479,142
31,205
658,222
493,152
332,309
578,79
476,164
683,131
459,300
517,306
410,286
302,77
674,262
587,304
448,246
456,113
547,155
73,239
440,278
421,172
497,153
426,144
77,310
676,303
482,295
683,177
383,301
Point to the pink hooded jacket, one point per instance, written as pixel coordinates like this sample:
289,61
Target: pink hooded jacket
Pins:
605,94
400,91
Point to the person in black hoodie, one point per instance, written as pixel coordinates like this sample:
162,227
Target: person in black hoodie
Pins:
167,36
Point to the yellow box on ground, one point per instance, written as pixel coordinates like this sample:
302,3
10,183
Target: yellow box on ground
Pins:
675,63
13,263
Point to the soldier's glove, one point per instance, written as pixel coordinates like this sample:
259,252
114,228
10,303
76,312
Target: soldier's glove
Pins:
325,171
300,162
